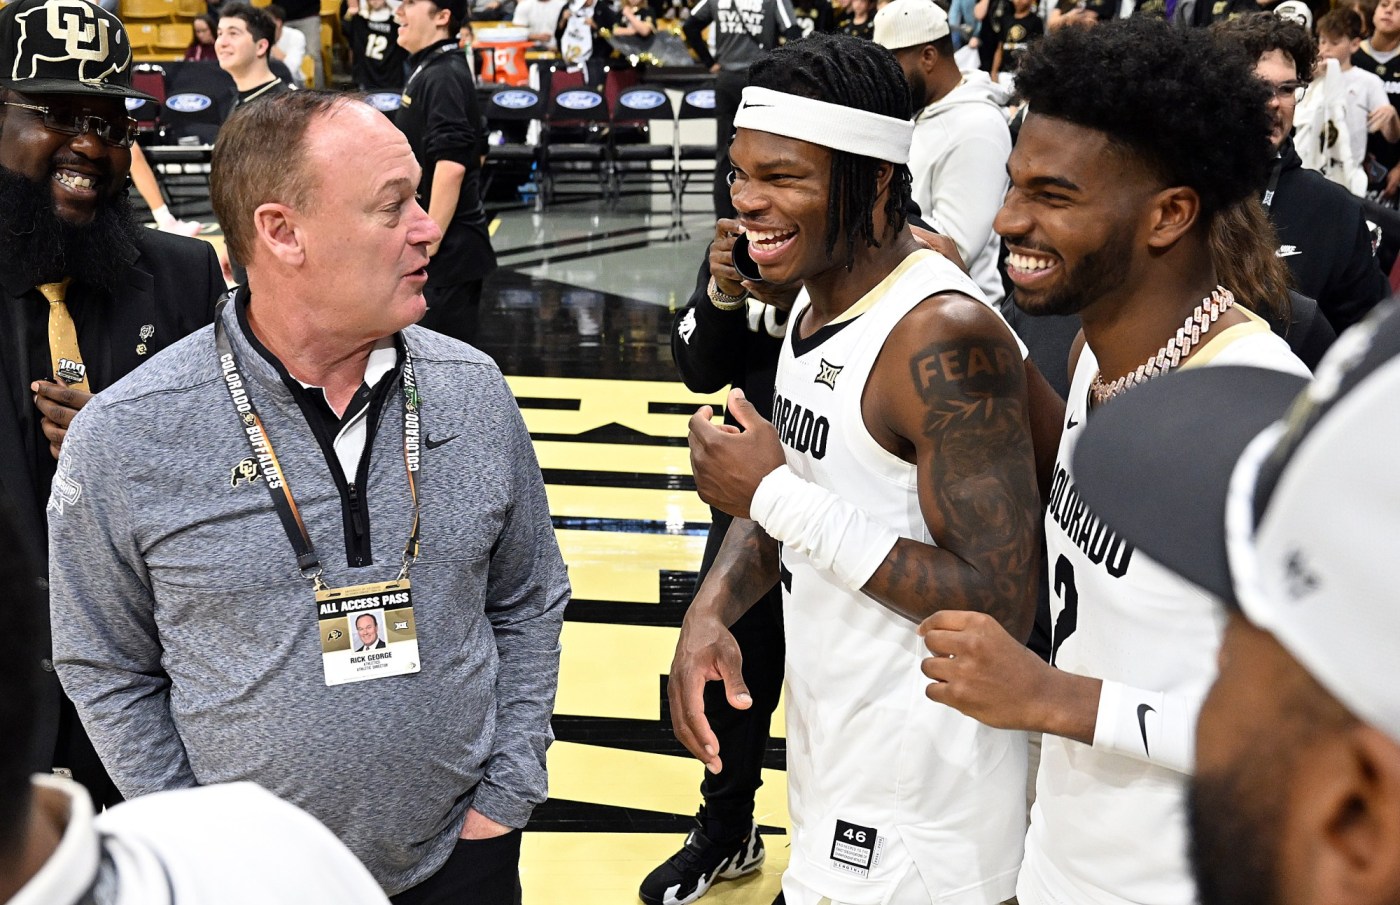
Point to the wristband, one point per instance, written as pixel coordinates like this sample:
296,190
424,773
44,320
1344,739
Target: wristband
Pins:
1147,725
836,536
722,300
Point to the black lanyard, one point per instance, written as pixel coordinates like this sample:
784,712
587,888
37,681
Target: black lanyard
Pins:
271,470
1268,200
446,48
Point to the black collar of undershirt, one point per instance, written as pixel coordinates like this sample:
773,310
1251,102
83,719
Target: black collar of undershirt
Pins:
802,345
318,412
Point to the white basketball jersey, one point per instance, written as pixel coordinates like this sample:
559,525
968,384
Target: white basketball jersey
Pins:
1108,826
881,780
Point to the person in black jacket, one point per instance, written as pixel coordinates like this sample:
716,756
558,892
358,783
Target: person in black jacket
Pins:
442,122
127,292
742,33
1322,232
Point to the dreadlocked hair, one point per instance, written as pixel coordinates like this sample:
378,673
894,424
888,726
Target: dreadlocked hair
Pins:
860,74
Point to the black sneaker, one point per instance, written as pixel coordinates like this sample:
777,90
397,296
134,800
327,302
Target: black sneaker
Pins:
688,874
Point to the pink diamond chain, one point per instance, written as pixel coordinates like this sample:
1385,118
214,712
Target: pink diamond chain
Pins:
1170,355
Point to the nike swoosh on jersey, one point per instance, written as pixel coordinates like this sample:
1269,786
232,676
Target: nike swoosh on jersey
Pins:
1143,710
434,444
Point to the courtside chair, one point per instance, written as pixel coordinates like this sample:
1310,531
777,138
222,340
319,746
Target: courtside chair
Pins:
573,135
646,105
696,104
509,110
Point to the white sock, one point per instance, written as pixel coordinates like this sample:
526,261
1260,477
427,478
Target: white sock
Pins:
163,215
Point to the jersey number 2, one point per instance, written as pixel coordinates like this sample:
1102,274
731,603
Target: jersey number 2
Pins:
1063,583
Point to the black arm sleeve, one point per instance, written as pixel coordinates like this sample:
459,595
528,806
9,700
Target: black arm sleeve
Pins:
709,344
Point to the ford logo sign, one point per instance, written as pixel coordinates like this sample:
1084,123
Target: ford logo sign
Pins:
704,98
515,99
579,100
133,102
188,103
385,101
646,99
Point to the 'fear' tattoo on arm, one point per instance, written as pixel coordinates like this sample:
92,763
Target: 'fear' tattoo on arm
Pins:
977,484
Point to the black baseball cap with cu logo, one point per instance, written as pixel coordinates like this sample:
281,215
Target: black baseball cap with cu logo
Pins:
68,47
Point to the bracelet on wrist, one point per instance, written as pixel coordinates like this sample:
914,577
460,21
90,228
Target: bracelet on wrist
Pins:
722,300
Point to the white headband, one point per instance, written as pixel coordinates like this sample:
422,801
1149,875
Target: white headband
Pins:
829,125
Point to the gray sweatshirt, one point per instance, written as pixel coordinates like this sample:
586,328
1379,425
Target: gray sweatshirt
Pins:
189,642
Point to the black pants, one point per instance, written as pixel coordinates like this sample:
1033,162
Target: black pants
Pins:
729,86
478,872
453,309
742,734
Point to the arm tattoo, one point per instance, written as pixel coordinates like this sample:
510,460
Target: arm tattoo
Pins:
745,568
982,483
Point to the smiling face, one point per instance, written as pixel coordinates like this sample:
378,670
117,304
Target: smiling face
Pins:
1072,216
421,24
1275,68
368,630
82,171
366,236
235,46
781,189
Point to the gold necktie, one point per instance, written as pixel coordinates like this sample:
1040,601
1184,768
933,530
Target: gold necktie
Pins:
63,338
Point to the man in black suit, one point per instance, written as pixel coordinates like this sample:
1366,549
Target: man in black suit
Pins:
367,627
86,294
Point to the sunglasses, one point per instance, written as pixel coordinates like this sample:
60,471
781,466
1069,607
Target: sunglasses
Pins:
121,135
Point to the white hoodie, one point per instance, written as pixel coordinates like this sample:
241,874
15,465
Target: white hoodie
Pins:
958,159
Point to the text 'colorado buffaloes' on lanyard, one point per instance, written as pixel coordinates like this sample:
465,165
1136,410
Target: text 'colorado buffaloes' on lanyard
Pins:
261,445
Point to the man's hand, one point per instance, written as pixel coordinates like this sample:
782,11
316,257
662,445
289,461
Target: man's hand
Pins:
728,463
58,404
479,826
1383,117
722,257
978,669
939,243
705,652
780,296
1392,182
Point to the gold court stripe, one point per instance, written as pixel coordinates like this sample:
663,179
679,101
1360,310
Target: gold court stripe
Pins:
648,782
668,460
675,507
611,565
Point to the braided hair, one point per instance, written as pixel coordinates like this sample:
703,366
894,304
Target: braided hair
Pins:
860,74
